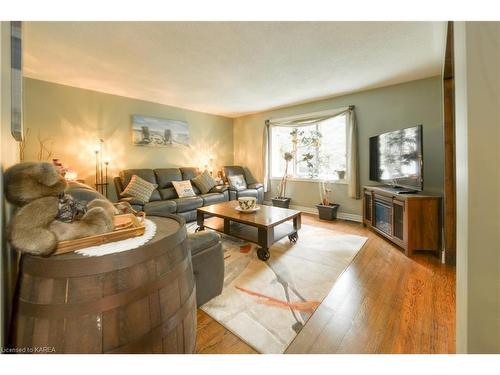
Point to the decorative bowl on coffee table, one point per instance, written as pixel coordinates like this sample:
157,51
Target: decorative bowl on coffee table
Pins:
247,204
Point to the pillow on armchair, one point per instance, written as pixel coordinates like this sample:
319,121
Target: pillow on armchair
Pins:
237,182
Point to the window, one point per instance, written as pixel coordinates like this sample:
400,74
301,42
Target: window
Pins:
318,150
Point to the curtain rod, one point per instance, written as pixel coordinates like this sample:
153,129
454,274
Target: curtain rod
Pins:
268,121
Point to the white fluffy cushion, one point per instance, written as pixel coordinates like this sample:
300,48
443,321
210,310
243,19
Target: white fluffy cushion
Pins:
237,182
183,189
139,188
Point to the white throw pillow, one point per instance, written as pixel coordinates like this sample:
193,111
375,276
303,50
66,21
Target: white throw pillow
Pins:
237,182
183,189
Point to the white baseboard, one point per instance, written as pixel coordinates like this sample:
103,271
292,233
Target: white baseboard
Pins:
314,211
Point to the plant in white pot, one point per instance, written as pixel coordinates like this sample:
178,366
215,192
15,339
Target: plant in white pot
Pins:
326,209
281,200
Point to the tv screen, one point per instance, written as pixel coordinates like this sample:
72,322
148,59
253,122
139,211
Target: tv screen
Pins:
396,158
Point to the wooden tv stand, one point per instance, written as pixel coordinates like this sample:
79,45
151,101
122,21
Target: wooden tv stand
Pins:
411,221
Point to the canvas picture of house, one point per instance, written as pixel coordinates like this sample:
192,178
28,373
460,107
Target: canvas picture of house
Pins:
159,132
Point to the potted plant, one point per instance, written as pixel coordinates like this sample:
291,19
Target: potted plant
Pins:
281,200
341,174
326,209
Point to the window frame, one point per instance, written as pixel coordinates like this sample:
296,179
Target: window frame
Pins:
305,179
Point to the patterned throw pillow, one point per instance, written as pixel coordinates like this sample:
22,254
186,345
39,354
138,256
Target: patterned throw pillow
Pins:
204,182
139,189
237,182
183,189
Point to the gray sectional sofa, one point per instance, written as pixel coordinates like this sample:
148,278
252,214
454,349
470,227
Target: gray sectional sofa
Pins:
164,199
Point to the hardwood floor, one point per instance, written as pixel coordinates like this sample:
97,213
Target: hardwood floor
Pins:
383,303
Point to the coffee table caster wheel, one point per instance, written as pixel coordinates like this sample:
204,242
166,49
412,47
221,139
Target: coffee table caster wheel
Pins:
293,237
199,229
263,254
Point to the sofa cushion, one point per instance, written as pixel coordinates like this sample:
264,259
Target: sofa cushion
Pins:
248,193
204,182
168,193
145,174
232,170
257,185
160,207
219,189
164,177
189,173
212,198
188,204
139,189
133,201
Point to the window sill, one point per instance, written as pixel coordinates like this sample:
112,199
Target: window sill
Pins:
314,180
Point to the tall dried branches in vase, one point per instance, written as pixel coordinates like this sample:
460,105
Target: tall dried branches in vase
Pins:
288,156
44,151
324,193
22,144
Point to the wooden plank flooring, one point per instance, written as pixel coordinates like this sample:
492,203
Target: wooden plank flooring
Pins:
383,303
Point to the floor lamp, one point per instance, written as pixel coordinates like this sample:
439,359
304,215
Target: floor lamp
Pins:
101,170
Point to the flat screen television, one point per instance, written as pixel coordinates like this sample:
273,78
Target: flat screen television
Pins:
396,159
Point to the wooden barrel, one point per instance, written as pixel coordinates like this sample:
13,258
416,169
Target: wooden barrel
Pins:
137,301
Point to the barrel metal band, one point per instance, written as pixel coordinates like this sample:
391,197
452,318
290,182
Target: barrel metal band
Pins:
62,311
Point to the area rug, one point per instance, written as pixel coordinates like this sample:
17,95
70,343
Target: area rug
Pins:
266,304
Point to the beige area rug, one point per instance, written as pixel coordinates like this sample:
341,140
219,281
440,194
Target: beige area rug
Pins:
266,304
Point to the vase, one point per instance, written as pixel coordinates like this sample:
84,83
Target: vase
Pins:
281,202
327,212
341,174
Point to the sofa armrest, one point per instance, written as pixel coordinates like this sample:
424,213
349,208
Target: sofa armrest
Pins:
118,185
133,201
257,185
219,189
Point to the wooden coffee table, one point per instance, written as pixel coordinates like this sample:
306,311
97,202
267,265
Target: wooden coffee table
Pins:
263,227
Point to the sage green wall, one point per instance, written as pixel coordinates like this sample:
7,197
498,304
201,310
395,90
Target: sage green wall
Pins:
74,119
377,111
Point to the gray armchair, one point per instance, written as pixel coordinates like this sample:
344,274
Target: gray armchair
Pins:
254,188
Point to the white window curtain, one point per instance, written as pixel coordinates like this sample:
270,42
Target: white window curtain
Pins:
353,190
352,143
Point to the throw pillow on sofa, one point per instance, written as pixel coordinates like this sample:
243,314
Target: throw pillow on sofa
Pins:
139,189
204,182
237,182
183,189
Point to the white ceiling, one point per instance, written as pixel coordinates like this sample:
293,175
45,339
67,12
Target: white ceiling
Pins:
232,68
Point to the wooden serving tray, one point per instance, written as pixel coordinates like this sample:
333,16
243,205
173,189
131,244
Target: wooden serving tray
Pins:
126,226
